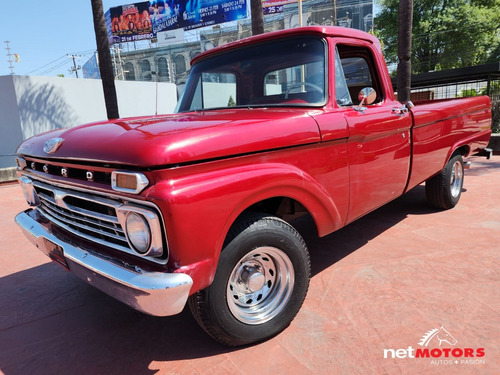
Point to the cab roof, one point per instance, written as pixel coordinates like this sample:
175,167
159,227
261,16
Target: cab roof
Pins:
322,31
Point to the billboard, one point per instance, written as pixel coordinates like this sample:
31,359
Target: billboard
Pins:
138,21
275,6
129,23
189,14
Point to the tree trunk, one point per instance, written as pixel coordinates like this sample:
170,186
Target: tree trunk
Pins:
257,17
334,6
404,49
105,64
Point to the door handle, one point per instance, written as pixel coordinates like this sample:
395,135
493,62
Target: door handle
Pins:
400,111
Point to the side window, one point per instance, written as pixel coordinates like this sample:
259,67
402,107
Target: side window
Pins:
341,90
300,83
215,90
359,72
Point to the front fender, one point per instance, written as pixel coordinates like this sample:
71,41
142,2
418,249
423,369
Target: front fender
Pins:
199,209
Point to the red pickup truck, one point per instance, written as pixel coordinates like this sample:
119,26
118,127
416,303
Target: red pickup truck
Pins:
195,207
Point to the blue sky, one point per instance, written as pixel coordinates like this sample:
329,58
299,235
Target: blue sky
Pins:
43,32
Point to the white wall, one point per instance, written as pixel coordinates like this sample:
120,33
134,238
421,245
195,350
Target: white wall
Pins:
31,105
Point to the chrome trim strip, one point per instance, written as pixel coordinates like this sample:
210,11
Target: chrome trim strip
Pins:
154,293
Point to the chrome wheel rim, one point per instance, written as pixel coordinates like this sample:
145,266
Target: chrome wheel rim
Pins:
260,285
456,179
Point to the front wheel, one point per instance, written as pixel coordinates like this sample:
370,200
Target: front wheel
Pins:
444,190
260,284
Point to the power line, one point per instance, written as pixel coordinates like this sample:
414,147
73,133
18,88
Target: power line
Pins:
54,68
52,62
60,64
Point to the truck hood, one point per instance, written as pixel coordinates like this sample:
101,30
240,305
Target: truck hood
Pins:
179,138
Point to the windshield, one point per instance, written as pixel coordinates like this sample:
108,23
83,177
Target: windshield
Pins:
288,72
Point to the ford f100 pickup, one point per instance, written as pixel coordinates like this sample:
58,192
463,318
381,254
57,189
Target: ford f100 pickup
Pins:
194,208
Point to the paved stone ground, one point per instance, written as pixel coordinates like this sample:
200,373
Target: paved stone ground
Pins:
380,283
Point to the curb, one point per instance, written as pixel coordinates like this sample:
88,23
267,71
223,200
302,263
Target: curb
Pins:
8,174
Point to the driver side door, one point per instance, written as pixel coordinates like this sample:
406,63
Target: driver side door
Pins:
379,143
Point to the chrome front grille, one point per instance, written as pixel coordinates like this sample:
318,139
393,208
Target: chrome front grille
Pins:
85,215
93,217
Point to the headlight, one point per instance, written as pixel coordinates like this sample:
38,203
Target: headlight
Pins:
138,232
143,229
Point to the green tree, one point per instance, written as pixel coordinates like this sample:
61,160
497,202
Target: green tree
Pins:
467,93
446,33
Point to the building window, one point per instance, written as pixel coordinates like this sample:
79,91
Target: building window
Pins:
180,64
129,72
145,70
163,69
194,53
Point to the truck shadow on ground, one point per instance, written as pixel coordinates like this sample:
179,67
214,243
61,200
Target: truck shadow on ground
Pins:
355,235
51,322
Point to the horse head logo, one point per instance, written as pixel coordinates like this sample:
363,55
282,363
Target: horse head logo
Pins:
441,334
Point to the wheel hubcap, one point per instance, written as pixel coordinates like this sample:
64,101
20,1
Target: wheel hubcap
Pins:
260,285
252,279
456,179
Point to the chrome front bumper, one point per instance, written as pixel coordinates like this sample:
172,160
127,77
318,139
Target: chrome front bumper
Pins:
154,293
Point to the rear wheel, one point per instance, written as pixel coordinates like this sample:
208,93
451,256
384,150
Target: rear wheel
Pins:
444,190
260,284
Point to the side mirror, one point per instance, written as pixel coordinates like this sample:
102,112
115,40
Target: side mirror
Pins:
366,97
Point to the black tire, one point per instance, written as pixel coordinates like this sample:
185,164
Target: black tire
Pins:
260,284
444,189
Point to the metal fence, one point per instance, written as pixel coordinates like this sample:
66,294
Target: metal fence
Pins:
458,83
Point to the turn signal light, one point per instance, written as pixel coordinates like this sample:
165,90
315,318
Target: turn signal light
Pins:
128,182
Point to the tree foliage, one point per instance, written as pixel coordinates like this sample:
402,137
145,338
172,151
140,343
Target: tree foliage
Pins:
446,33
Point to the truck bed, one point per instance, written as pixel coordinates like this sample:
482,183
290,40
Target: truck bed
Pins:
439,124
